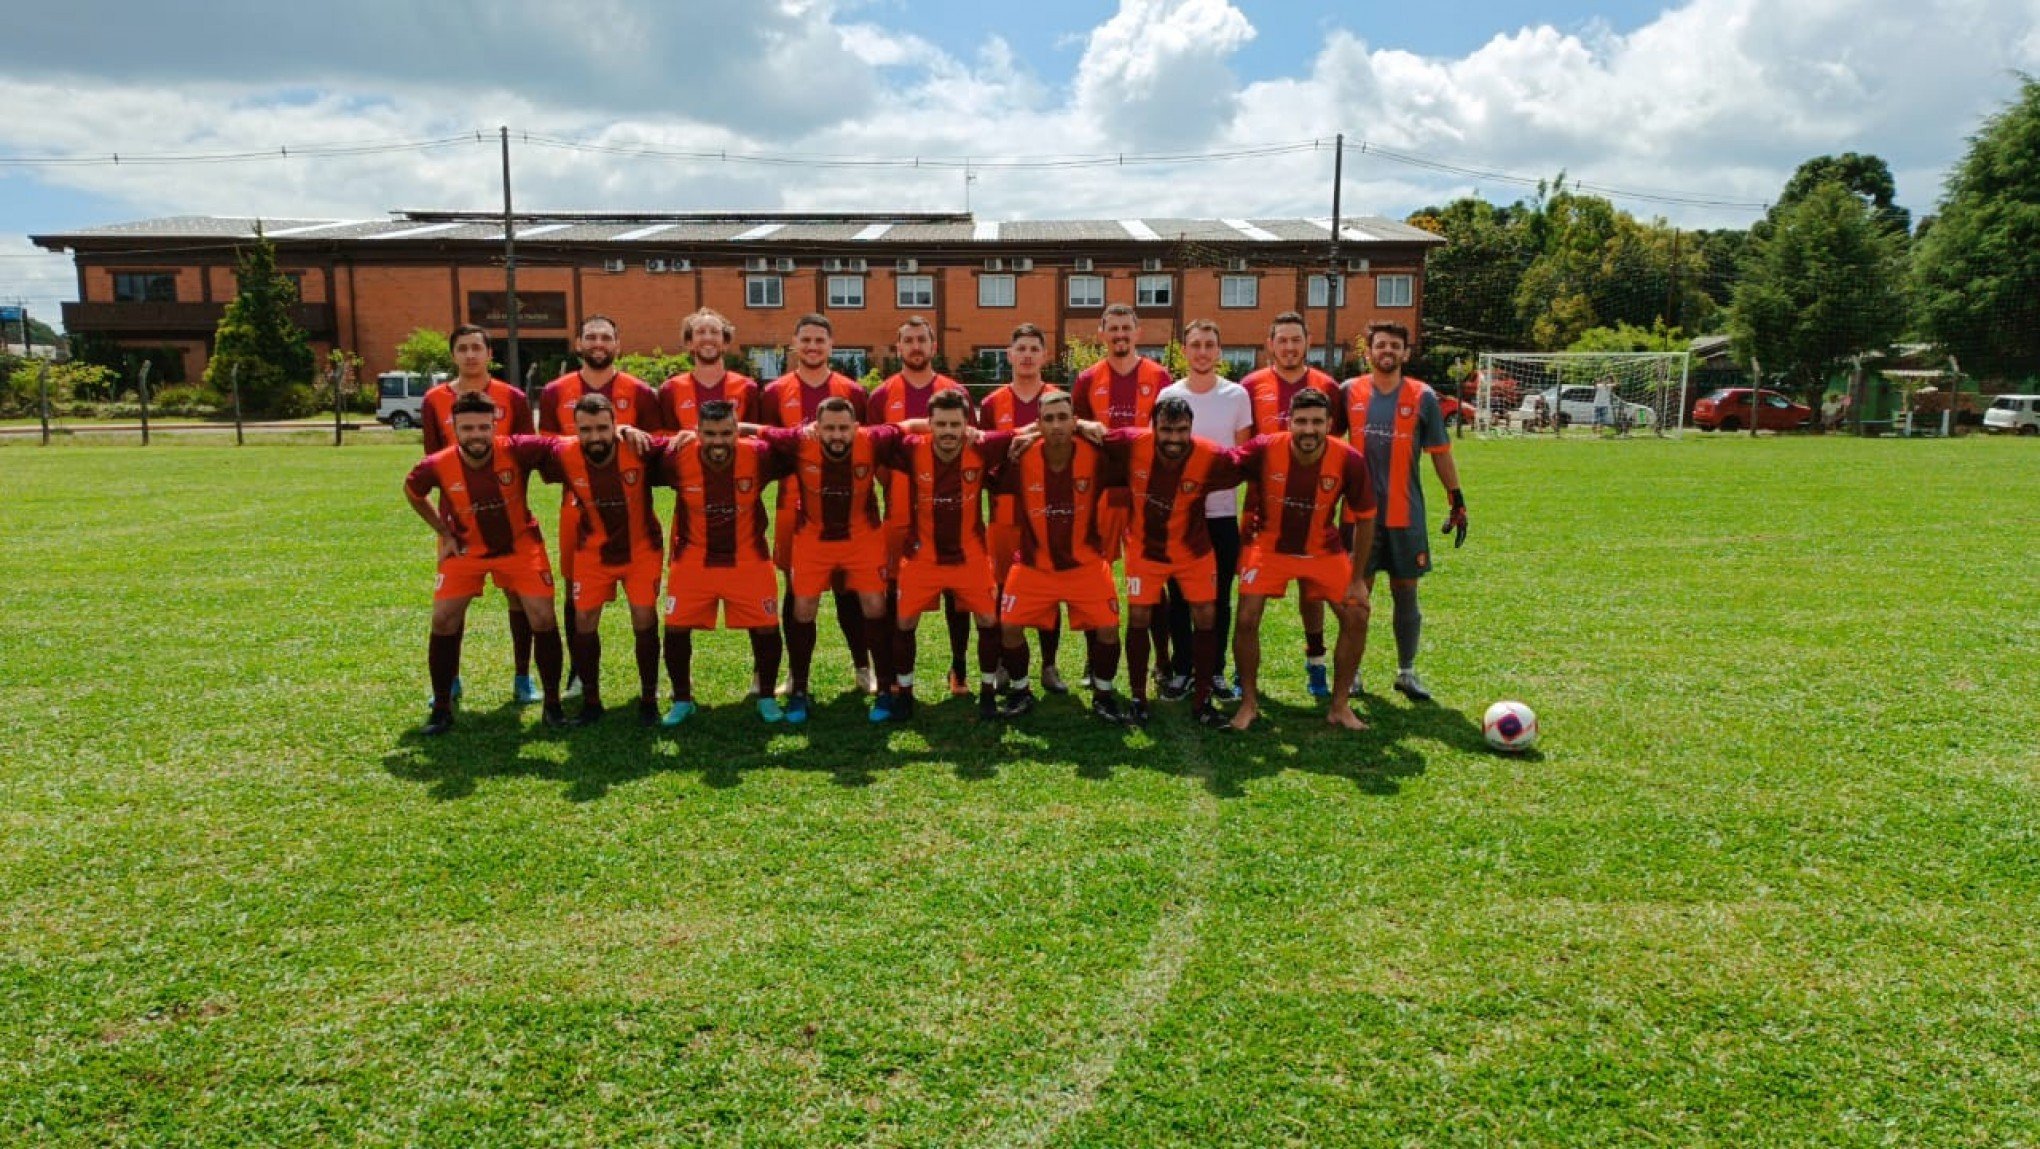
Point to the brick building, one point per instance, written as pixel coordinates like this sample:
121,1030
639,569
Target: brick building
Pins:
366,284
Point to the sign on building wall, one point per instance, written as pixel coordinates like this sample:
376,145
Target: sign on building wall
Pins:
534,308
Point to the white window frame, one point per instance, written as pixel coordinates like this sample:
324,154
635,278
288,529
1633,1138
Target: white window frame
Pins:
914,291
844,359
845,292
1315,291
764,291
1089,301
1395,290
1154,291
991,287
994,360
1239,291
1239,361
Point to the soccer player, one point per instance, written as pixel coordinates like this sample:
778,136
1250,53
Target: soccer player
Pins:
719,555
1273,388
1118,391
905,396
1014,407
1056,487
470,345
632,400
1222,414
1303,477
1171,473
486,533
707,336
608,485
945,474
792,402
839,534
1394,419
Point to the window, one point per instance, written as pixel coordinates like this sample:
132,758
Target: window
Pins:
851,361
1156,353
764,291
1153,291
1239,291
766,362
297,280
846,291
1317,291
995,291
992,361
1394,290
144,287
1087,291
1239,361
912,291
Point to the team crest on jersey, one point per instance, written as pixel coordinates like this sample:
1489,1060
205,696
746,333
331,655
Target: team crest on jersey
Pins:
1146,390
623,404
1083,486
862,470
1189,488
506,477
630,478
1328,483
970,475
1403,411
744,486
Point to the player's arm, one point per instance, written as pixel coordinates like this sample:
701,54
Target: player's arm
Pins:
548,413
1432,437
520,411
435,438
1243,419
418,485
639,439
1080,398
1358,496
860,405
539,454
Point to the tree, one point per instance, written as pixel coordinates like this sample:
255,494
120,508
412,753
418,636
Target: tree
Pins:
1470,283
1623,337
258,334
1976,274
1869,177
1821,284
425,352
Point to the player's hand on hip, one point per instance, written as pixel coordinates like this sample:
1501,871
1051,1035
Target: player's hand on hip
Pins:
449,547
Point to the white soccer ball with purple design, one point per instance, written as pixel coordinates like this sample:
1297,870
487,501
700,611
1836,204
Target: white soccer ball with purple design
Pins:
1510,727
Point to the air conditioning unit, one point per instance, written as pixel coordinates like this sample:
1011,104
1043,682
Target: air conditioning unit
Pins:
657,266
995,265
757,263
908,265
681,264
1359,265
1236,264
783,263
1150,265
860,265
613,266
1023,264
834,264
1084,264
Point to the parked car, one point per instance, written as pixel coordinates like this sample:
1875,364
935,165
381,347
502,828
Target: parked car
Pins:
400,397
2018,414
1728,409
1575,404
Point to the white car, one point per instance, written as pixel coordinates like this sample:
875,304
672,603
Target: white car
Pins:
1575,404
2018,414
400,397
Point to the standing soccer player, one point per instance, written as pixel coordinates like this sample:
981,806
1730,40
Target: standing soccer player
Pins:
707,336
839,534
1015,407
608,484
1272,389
1303,477
1061,563
631,399
719,555
1393,420
1118,391
1172,473
791,402
1223,415
486,534
470,345
905,396
945,474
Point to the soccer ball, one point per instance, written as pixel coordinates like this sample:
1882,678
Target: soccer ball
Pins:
1510,727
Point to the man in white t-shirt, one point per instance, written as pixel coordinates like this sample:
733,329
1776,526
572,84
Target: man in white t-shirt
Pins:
1223,413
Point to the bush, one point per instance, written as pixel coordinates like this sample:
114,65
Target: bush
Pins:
187,400
297,401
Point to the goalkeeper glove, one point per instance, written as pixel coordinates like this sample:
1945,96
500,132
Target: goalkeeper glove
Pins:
1455,523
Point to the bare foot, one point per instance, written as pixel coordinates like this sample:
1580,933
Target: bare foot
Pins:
1243,718
1344,716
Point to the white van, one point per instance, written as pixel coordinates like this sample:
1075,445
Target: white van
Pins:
2018,414
400,397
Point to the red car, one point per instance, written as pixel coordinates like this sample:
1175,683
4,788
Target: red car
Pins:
1728,409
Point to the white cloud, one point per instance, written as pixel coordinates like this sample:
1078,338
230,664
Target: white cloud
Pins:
1156,72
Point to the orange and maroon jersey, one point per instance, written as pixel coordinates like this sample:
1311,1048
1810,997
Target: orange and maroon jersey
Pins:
681,397
837,496
720,520
1105,396
513,413
1005,410
1058,508
484,506
788,402
614,501
896,400
1169,524
1271,395
1299,501
941,501
637,405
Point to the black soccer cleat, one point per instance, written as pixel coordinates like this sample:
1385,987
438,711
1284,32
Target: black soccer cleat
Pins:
588,716
988,704
1136,713
554,715
1212,718
436,723
1174,688
1109,708
648,712
1017,704
1410,686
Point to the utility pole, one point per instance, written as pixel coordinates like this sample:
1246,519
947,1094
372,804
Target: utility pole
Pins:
509,267
1333,281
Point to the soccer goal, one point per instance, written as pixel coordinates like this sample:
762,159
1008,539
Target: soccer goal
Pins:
1606,393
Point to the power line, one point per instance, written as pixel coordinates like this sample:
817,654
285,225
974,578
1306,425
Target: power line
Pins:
280,152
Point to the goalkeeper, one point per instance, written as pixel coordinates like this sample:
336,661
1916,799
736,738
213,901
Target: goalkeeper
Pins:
1394,420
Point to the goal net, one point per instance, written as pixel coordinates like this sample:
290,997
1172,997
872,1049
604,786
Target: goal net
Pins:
1603,393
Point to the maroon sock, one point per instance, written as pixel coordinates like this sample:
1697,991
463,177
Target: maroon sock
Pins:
1158,637
800,654
1204,653
850,620
680,663
878,639
546,652
766,649
569,628
442,661
990,650
588,664
1314,644
1136,660
1051,643
647,661
1015,658
520,642
905,651
959,637
1102,657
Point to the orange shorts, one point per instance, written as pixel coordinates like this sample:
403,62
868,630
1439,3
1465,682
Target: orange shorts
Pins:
594,582
1268,574
1032,597
525,572
783,517
570,540
861,558
1115,514
922,582
747,592
1197,578
1004,544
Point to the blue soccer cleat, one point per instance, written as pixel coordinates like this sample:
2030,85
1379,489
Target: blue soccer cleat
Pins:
677,713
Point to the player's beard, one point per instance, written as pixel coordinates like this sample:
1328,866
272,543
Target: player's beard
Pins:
710,356
597,358
477,458
1308,444
1172,451
599,453
1386,362
717,457
835,454
916,363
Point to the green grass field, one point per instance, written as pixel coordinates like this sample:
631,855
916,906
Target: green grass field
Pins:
1771,879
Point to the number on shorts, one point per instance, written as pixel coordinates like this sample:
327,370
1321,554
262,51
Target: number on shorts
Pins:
1133,585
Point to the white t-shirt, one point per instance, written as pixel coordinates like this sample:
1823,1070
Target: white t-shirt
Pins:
1219,415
